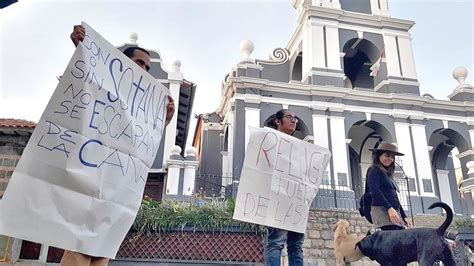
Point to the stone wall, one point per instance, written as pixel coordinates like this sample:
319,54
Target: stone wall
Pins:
318,246
319,240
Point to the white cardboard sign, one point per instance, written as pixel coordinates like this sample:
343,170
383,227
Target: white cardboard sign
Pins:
280,177
80,180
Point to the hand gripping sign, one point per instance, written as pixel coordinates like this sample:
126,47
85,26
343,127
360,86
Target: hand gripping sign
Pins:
280,177
80,180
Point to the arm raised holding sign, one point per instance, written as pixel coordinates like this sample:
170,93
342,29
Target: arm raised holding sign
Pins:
142,58
138,55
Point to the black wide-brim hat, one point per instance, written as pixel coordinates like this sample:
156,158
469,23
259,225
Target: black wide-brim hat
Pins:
388,147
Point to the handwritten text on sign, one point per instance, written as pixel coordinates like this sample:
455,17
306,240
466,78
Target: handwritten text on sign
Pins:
80,181
279,180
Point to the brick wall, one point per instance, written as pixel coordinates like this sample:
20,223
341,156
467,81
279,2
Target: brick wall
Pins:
11,148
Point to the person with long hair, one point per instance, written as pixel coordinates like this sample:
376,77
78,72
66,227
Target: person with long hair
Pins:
285,121
387,212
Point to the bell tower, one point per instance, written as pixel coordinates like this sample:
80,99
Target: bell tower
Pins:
352,44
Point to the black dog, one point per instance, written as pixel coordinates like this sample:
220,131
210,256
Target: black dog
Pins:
425,245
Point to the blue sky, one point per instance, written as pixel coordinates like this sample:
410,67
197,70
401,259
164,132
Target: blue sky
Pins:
205,35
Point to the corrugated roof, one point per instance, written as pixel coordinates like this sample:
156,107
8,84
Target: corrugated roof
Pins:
16,123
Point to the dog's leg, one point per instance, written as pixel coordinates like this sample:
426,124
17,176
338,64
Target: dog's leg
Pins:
339,261
448,258
426,260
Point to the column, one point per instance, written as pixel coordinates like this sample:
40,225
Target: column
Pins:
332,46
228,158
190,166
43,256
384,8
339,148
175,78
407,59
470,125
313,48
321,135
252,119
445,188
379,8
422,158
173,175
470,164
374,5
391,55
402,131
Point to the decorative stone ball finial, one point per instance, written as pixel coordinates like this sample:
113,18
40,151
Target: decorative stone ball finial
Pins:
133,37
460,74
176,65
191,151
176,150
246,49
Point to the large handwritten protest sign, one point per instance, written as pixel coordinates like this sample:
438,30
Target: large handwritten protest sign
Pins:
280,177
80,180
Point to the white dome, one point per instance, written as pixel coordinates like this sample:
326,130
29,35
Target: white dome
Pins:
133,37
246,48
176,63
191,151
460,74
176,150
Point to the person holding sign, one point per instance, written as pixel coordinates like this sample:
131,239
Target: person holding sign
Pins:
386,211
285,121
142,58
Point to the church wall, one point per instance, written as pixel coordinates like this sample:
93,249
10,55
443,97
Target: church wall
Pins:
361,6
352,118
280,73
239,138
395,87
158,162
211,162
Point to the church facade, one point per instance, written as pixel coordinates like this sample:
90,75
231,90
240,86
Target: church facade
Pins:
348,73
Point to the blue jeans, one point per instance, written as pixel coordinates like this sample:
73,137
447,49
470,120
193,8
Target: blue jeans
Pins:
276,240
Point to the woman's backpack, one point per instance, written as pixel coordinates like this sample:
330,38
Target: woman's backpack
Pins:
365,206
365,202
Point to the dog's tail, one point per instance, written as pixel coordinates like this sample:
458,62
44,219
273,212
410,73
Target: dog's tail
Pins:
449,217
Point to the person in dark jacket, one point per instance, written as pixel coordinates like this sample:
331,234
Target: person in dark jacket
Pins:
387,212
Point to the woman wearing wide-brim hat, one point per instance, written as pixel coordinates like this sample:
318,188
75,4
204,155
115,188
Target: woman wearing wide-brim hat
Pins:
387,212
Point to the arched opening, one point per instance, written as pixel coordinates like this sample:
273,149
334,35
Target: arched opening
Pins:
364,135
296,73
360,55
448,170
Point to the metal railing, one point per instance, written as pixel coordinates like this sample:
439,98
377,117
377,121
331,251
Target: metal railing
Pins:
329,196
213,185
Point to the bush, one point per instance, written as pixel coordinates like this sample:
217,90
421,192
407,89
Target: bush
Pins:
463,223
154,216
